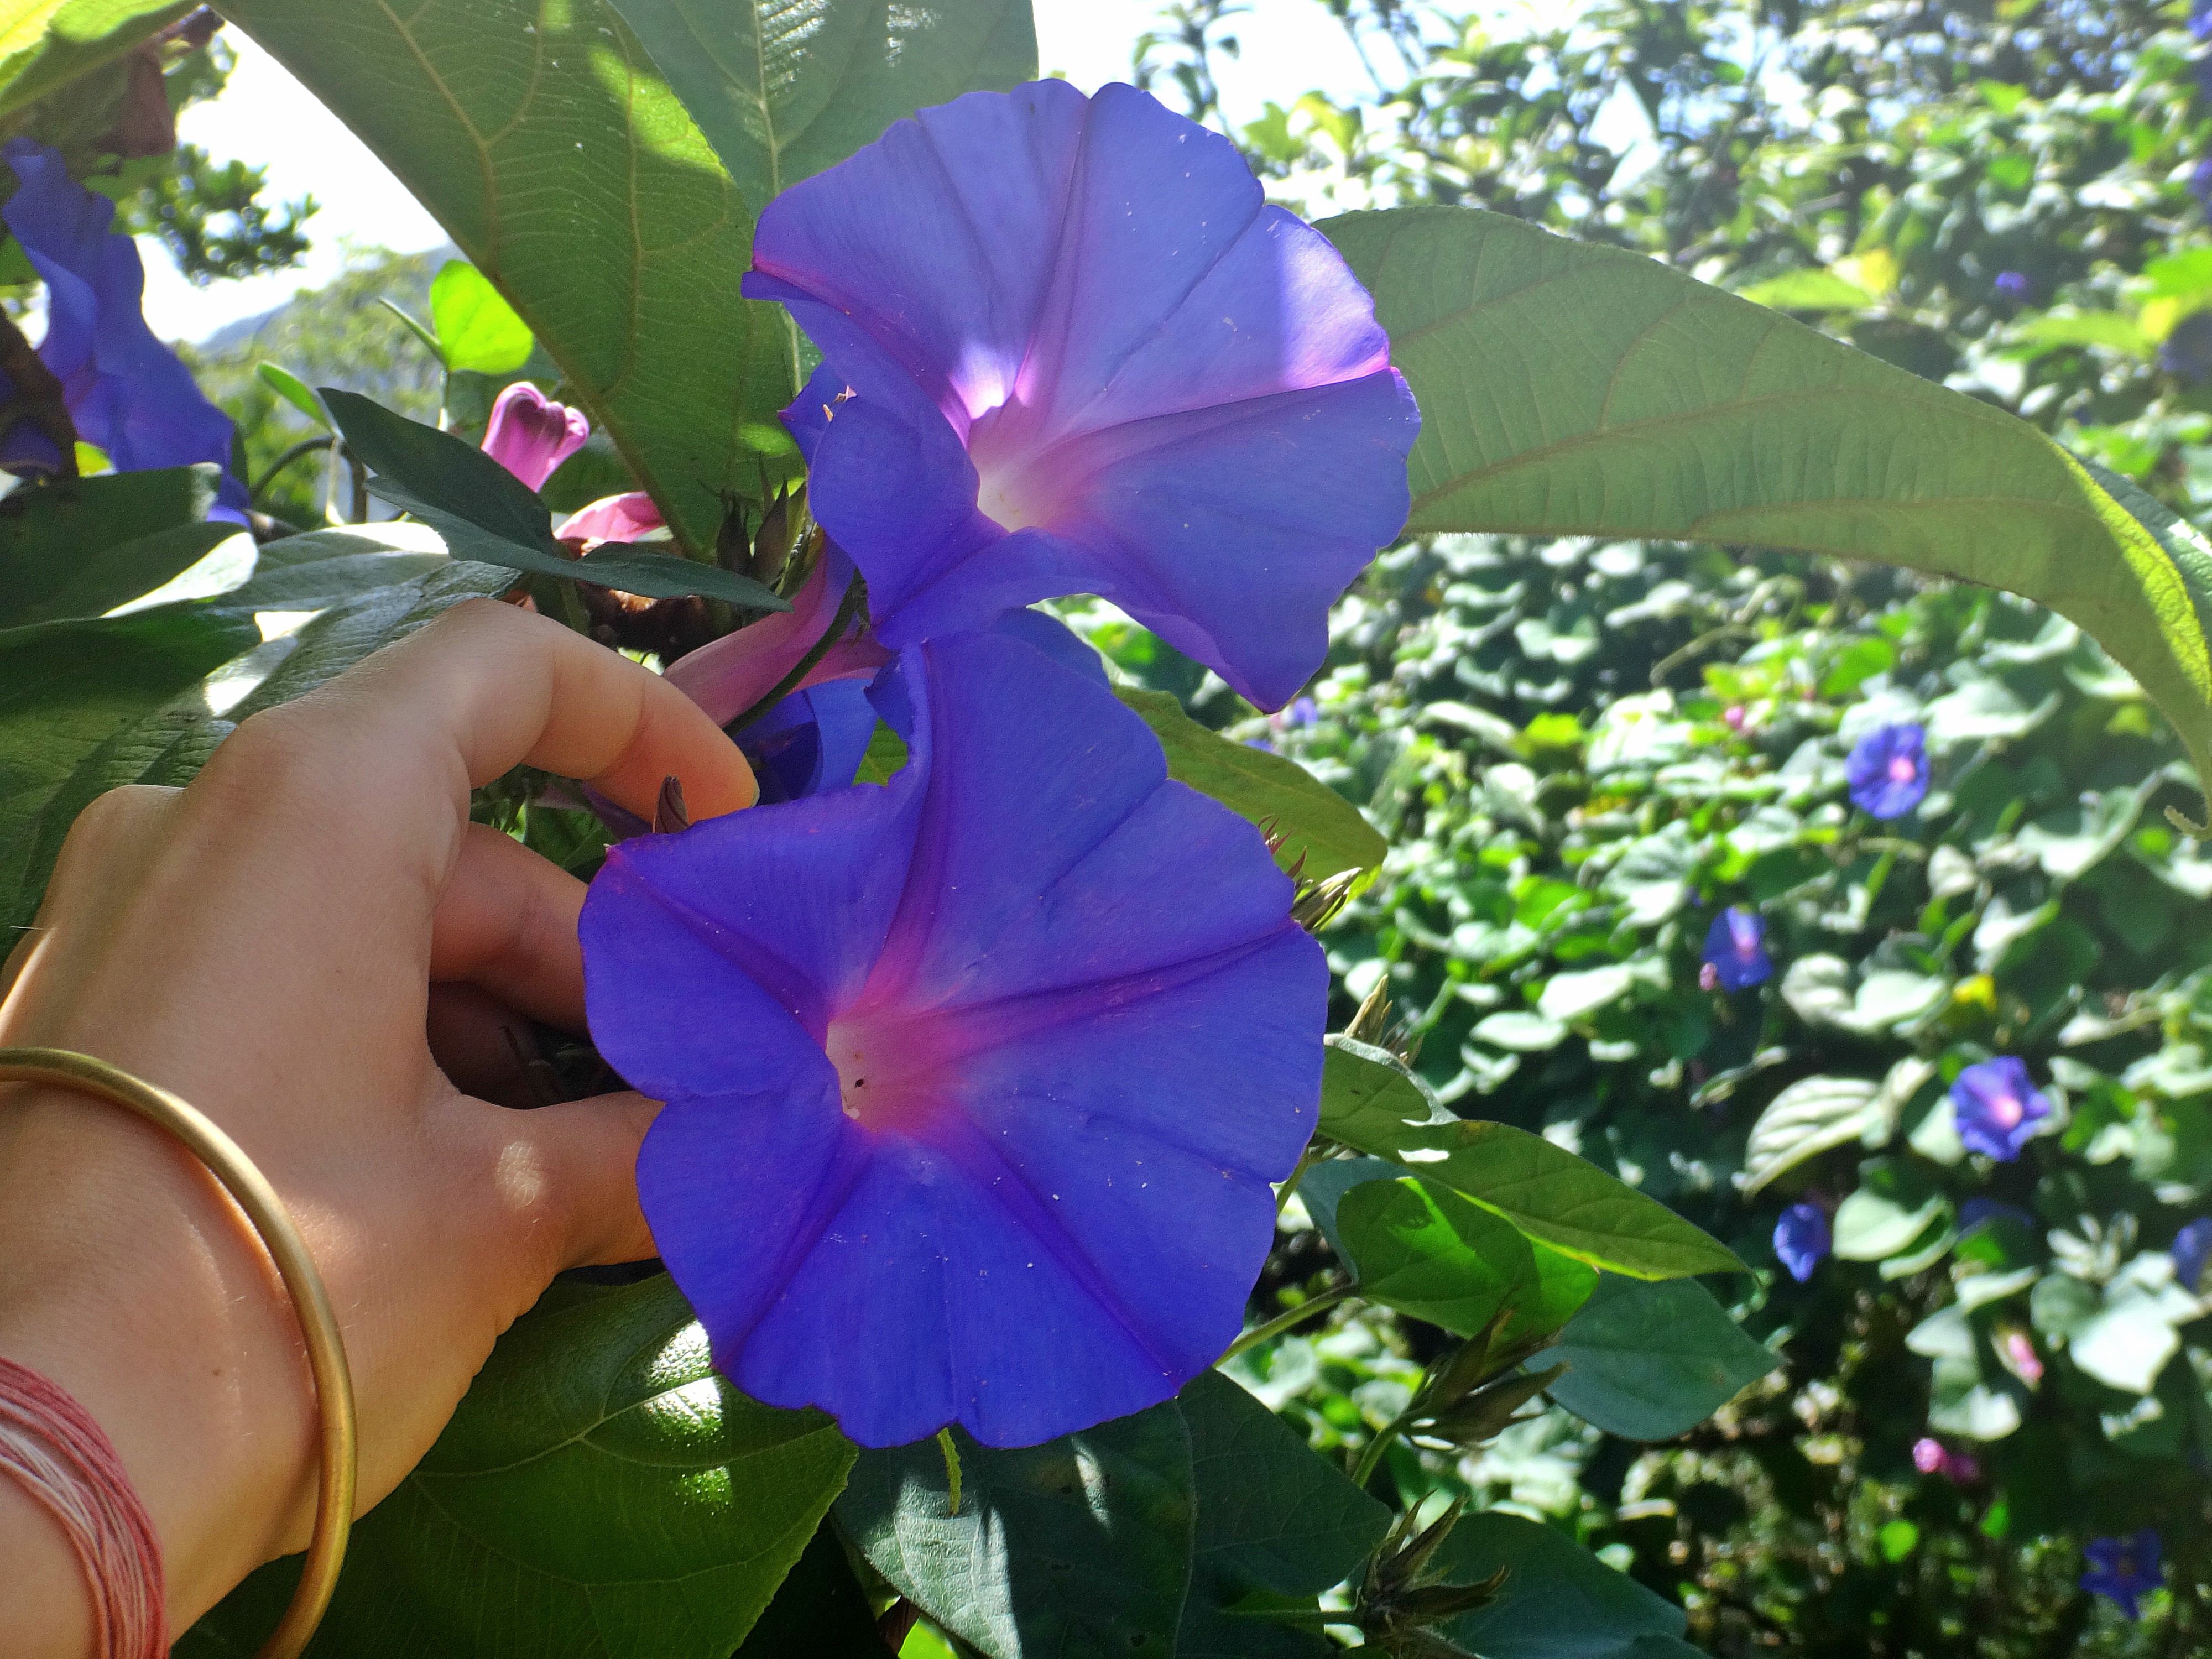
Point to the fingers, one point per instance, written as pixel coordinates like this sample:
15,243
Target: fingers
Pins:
566,1179
507,922
398,740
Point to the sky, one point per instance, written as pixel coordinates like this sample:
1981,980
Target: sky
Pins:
266,119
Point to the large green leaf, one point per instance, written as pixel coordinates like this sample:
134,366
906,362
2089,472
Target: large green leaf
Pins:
1568,388
79,547
1648,1361
784,90
1276,1525
1426,1251
1315,822
46,44
551,150
483,512
1081,1547
1550,1194
600,1492
1559,1601
76,700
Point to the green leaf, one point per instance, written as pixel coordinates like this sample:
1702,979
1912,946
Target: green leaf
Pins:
296,392
1559,1602
1368,1098
1808,290
553,153
886,754
820,1610
46,44
1427,1252
1274,1522
1572,389
80,547
781,91
1895,1204
1080,1546
72,695
599,1493
318,569
1816,1113
477,328
1648,1361
1550,1194
1268,790
485,512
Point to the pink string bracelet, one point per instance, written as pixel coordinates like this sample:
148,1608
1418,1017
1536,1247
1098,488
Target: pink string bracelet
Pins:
50,1445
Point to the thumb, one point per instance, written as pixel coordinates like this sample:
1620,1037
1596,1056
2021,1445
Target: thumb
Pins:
569,1176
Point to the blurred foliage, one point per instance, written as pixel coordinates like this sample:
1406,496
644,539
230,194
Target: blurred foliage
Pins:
1582,752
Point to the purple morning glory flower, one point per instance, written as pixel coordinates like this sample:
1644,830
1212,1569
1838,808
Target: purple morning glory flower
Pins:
2124,1568
1996,1108
1068,348
1802,1239
2013,284
2200,20
1888,771
530,435
2200,184
126,391
977,1080
2191,1247
1736,950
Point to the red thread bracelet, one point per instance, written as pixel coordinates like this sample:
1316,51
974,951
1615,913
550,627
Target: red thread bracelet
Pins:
51,1445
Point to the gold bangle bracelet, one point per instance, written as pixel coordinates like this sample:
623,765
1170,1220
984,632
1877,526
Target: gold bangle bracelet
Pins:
326,1355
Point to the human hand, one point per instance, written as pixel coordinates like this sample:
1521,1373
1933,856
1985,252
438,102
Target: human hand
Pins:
269,943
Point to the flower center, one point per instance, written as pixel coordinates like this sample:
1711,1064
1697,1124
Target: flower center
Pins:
2006,1110
1901,769
1012,496
882,1070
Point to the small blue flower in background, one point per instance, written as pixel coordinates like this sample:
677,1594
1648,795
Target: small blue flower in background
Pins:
1996,1108
1888,771
2200,184
1976,1209
2200,20
1735,952
126,391
2013,284
1802,1239
2191,1247
1028,389
977,1078
2124,1568
2186,353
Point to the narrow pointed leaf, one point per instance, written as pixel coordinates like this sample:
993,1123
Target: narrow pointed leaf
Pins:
485,512
1268,790
1568,388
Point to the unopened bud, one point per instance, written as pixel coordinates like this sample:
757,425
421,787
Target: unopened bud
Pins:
669,816
1317,903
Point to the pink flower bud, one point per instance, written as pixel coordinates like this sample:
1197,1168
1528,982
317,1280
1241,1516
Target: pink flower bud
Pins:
1927,1455
530,435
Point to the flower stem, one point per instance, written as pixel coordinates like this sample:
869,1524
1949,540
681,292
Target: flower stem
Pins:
1282,1323
1378,1446
1312,1156
951,1469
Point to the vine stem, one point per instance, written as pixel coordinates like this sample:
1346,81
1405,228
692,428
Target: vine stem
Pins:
1282,1323
1312,1157
856,597
1378,1446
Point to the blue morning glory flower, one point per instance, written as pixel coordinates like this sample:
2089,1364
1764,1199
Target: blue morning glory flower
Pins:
1888,771
2186,353
2200,183
2013,284
2191,1249
1735,950
977,1080
2124,1568
2200,20
1996,1108
1802,1239
1068,348
127,392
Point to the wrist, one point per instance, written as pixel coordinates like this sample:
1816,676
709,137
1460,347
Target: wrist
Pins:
129,1281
